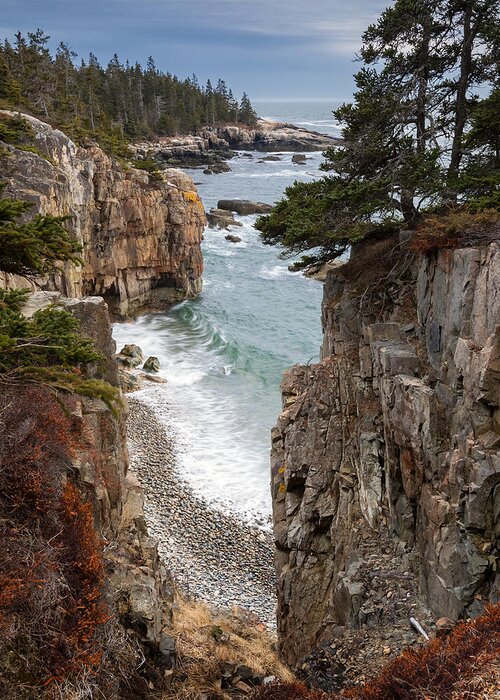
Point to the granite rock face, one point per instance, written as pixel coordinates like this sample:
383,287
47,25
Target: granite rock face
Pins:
271,136
386,457
141,589
141,238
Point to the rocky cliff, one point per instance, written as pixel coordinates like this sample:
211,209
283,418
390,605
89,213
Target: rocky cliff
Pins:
386,457
141,237
135,589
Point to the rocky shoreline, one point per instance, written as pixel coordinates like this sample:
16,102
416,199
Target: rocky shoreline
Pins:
214,144
213,556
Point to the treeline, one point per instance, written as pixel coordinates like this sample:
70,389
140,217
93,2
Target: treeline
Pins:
422,134
119,100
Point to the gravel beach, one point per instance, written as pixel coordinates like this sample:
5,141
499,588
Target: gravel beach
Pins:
214,556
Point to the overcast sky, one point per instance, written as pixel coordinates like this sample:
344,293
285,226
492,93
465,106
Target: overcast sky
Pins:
270,48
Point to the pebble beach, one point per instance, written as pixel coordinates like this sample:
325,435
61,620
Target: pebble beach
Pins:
214,556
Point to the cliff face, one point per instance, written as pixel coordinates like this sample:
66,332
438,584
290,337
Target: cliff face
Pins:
139,591
385,460
141,238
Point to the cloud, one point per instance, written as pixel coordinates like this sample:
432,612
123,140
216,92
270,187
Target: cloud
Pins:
336,27
280,48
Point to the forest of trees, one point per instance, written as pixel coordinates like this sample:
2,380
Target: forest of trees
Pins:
422,134
119,101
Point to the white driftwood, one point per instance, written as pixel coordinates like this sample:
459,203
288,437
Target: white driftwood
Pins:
416,625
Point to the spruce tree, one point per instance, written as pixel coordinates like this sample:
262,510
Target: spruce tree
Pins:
35,247
246,112
47,347
113,106
406,133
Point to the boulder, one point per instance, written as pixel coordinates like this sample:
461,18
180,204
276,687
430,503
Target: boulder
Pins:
221,167
217,168
152,378
129,382
271,159
152,364
221,218
233,239
320,271
299,158
130,356
244,207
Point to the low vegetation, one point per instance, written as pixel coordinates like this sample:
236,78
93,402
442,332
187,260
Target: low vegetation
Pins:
58,638
212,646
463,666
47,347
456,228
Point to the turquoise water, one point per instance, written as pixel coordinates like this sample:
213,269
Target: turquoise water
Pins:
224,354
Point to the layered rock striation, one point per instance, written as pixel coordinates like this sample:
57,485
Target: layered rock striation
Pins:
269,136
386,457
141,238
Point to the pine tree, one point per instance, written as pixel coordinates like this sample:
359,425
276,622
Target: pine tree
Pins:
35,247
246,112
47,347
406,133
113,106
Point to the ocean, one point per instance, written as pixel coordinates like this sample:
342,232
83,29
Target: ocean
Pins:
223,355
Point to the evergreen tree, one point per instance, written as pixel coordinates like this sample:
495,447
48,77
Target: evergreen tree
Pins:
47,347
35,247
405,134
246,112
115,105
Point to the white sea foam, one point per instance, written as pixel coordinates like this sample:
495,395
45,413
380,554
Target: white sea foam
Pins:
269,174
223,354
276,272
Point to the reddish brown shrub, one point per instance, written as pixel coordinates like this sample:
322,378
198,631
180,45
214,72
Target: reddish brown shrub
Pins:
464,666
456,228
441,665
55,626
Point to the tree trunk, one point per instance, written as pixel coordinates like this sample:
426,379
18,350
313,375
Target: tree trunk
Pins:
423,80
469,34
407,206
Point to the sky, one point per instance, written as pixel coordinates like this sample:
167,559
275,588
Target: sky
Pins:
272,49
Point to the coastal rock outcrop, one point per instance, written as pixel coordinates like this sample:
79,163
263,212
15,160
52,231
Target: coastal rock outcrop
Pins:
214,143
386,457
141,238
269,136
221,218
244,207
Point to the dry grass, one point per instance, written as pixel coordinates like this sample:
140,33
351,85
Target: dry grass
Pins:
457,228
207,641
58,638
